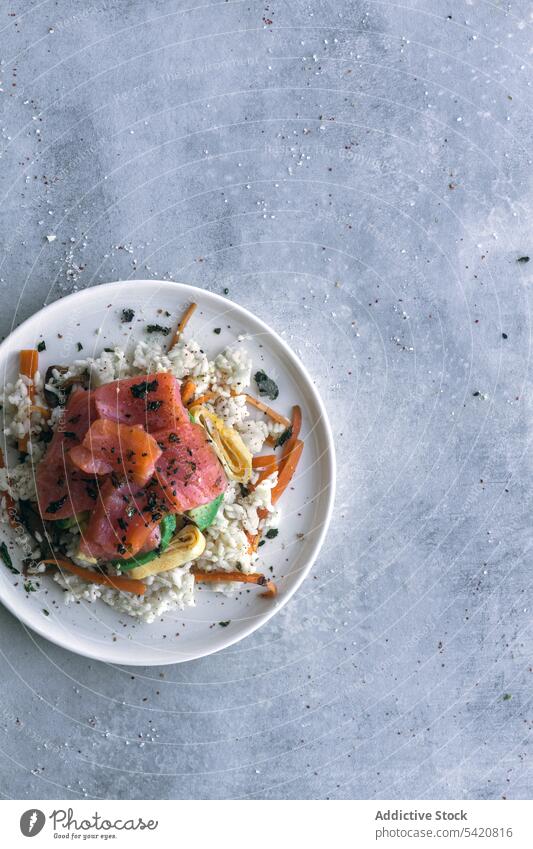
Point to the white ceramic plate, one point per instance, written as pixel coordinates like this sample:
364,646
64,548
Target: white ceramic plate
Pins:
92,317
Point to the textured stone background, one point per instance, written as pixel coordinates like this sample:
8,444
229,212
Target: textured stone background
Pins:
358,173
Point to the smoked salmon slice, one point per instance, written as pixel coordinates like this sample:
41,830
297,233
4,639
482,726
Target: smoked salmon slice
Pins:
124,522
188,471
127,453
62,489
111,447
151,400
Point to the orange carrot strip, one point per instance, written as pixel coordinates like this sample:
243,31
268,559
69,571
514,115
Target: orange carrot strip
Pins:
263,475
276,417
10,504
287,469
28,365
38,408
188,388
221,577
29,362
183,323
207,396
127,585
296,422
253,540
264,461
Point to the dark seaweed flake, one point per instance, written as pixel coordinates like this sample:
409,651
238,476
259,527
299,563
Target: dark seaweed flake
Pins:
266,386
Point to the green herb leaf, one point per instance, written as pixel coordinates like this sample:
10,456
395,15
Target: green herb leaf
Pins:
6,559
224,624
266,385
283,437
157,328
272,533
139,390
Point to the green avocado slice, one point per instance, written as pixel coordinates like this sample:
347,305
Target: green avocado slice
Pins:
203,516
167,526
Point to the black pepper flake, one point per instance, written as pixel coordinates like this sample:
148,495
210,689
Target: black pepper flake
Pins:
157,328
225,624
523,259
504,336
217,330
152,406
41,346
226,291
79,346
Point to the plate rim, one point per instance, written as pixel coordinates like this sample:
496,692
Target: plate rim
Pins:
188,289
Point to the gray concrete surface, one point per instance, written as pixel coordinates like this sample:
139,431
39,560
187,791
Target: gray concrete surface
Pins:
358,173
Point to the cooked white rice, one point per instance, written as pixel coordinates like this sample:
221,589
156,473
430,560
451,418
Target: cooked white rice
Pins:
226,542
